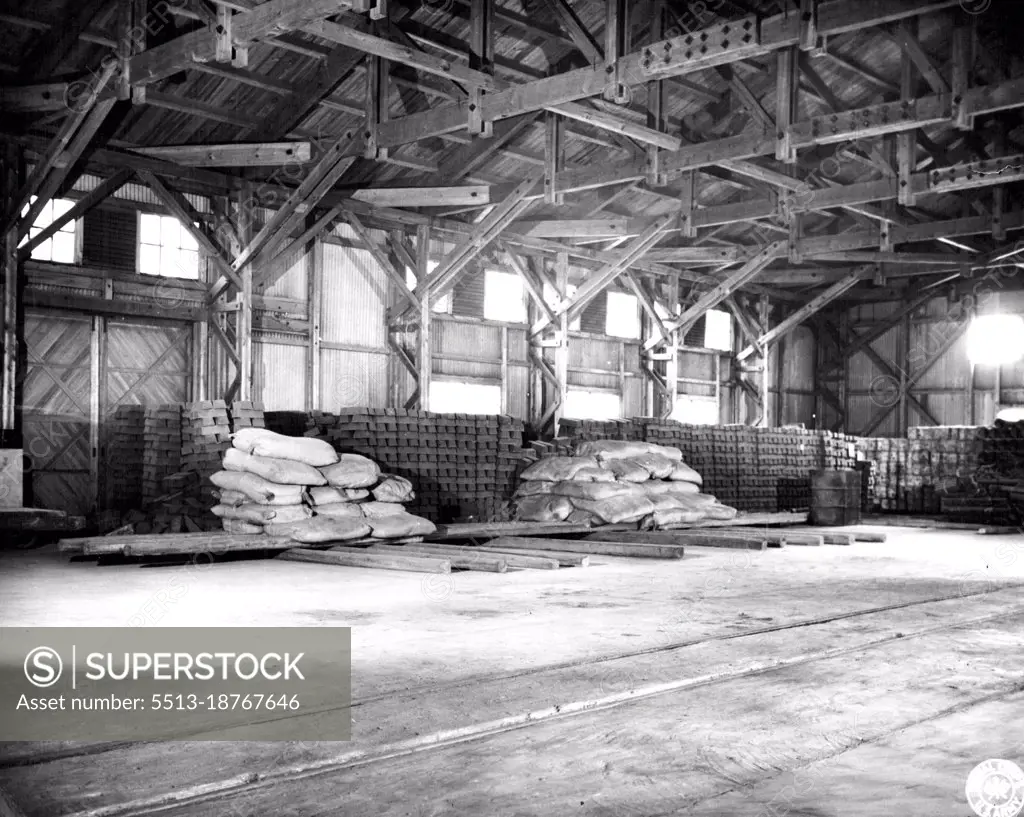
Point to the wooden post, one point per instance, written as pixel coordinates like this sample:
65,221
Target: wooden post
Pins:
786,95
504,370
554,156
423,357
315,313
672,350
904,346
481,58
12,183
764,308
562,350
906,143
656,102
377,102
243,325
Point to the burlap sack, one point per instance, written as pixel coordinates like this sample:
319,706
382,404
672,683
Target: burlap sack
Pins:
716,510
534,488
594,491
255,488
684,473
616,509
542,508
352,471
375,510
578,517
265,443
339,509
393,489
606,450
286,472
657,465
656,488
255,514
627,470
672,517
556,469
589,474
321,529
399,526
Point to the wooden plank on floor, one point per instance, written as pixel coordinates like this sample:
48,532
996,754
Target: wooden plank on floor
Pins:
858,535
680,538
527,561
583,546
930,523
492,530
782,536
165,544
483,562
745,520
353,557
563,558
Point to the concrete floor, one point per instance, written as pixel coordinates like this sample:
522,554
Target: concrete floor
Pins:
796,681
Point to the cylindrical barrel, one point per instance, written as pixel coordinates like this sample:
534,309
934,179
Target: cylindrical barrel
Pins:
835,497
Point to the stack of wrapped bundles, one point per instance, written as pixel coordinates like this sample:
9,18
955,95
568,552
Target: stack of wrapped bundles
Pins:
615,481
301,489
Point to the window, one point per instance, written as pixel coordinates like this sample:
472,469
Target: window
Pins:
993,340
581,404
718,330
62,246
623,317
551,299
460,397
504,297
166,248
695,410
442,305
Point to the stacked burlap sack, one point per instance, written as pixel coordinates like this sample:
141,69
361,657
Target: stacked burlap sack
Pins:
613,481
301,489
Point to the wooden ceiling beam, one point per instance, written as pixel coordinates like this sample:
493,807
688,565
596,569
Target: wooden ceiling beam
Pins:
268,19
745,38
267,154
816,304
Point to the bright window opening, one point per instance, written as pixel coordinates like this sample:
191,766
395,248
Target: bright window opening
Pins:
166,248
581,404
504,297
695,410
623,317
62,246
442,305
460,397
551,299
993,340
718,330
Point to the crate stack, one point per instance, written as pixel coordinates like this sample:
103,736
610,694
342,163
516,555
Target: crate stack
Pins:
126,446
246,414
461,465
205,436
161,455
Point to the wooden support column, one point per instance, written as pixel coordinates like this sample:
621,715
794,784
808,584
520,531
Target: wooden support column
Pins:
906,142
562,350
962,58
481,58
687,204
787,89
616,45
656,104
554,156
672,353
764,314
424,358
377,99
132,32
8,379
315,314
243,316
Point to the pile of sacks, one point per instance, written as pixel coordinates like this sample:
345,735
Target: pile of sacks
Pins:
301,489
613,481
